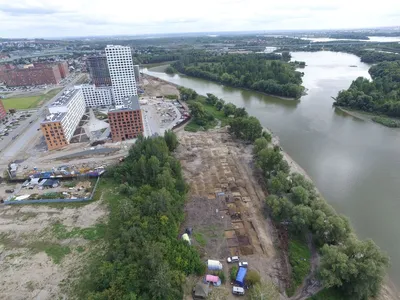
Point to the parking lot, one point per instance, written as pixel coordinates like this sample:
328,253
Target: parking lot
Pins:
14,126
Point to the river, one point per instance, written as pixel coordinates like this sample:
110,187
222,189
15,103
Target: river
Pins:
355,164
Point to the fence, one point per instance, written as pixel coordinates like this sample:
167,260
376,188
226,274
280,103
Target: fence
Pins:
55,200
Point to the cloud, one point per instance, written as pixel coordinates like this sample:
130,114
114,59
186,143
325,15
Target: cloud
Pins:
52,18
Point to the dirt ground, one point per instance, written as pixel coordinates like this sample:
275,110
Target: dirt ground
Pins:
27,271
154,87
225,206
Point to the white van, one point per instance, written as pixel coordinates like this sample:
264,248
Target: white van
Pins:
238,290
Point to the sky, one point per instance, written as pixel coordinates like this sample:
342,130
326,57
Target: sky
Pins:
55,18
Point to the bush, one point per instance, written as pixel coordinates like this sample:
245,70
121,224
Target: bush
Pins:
221,275
252,277
233,273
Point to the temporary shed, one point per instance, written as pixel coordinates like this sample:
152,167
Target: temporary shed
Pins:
186,238
241,275
214,265
200,291
213,279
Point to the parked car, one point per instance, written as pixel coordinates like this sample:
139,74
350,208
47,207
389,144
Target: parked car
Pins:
243,264
232,259
236,290
10,191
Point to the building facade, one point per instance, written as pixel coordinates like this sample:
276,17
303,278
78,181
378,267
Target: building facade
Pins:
96,96
98,69
3,112
122,73
65,115
36,74
126,120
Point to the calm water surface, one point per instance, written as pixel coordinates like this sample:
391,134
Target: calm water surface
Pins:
354,164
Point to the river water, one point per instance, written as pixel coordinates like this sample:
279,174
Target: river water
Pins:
355,164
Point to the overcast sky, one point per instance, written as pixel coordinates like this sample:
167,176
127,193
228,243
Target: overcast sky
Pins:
55,18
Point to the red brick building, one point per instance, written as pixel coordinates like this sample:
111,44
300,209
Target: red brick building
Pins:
40,73
126,120
3,111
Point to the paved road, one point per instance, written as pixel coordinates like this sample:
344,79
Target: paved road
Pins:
29,131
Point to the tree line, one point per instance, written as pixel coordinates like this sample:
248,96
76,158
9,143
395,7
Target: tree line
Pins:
356,268
381,95
266,73
145,259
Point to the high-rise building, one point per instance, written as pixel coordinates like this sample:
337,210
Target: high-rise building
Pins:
122,73
96,96
126,120
136,69
65,115
98,70
3,112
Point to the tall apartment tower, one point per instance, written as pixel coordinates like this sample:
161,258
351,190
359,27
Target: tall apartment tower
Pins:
122,73
98,70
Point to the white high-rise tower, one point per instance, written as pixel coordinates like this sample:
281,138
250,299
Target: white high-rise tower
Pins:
122,73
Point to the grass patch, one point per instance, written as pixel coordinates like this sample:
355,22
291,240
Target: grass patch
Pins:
91,233
299,258
328,294
57,252
29,102
199,237
54,251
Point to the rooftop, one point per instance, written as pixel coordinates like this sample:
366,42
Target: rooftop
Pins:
130,103
65,97
54,117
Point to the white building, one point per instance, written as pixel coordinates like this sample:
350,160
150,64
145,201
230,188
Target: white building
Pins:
96,96
122,73
69,108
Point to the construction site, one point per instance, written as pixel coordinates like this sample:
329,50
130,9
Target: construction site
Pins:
225,206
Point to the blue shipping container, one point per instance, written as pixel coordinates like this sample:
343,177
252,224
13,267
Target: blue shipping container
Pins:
241,274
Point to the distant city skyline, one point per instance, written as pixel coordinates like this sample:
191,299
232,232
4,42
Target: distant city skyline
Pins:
45,18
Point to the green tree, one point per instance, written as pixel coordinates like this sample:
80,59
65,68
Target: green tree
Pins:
197,110
355,267
248,129
211,99
280,183
240,112
229,109
171,139
259,144
267,159
220,104
170,70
